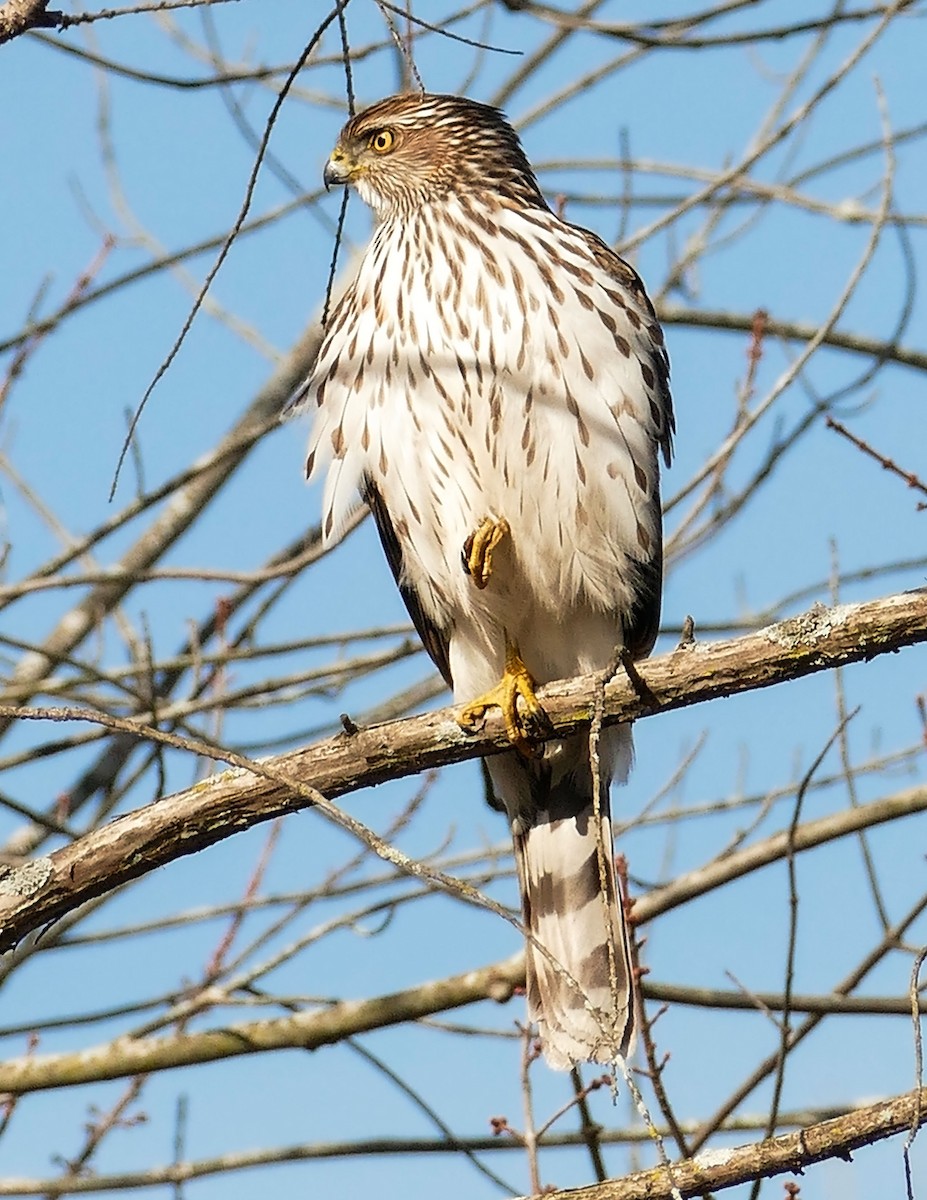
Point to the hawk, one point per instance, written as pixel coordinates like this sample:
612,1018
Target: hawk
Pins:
494,382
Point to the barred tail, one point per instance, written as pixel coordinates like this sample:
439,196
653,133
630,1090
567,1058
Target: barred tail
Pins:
578,955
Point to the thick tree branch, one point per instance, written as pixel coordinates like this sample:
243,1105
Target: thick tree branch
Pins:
178,1173
18,16
720,1168
130,846
307,1030
312,1029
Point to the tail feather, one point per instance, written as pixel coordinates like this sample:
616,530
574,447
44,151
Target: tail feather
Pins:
578,952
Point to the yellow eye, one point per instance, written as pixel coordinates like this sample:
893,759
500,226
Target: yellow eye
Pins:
382,141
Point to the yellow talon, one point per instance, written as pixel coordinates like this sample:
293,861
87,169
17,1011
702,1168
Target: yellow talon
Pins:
478,548
516,681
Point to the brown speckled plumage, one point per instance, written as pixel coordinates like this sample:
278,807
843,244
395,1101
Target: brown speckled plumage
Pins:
491,360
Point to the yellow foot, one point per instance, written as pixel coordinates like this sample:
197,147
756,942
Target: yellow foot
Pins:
516,681
478,548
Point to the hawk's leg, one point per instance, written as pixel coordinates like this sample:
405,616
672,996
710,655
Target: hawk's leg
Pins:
478,548
516,681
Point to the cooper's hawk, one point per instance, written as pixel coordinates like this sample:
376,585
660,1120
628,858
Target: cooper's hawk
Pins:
494,382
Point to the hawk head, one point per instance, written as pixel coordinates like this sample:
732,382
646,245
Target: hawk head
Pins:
414,148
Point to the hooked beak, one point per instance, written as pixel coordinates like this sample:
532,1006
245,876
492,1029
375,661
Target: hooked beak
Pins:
338,169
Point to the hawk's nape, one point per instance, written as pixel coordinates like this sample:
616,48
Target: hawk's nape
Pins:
494,381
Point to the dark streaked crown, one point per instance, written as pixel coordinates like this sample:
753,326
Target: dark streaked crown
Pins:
412,148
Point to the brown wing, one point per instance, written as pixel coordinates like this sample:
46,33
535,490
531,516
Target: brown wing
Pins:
643,621
661,411
434,639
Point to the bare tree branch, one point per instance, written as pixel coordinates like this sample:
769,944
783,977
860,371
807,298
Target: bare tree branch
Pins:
18,16
712,1170
497,981
788,1153
131,846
